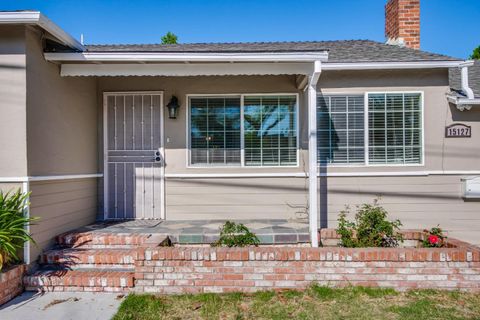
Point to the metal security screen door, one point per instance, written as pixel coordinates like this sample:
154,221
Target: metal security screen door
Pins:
134,155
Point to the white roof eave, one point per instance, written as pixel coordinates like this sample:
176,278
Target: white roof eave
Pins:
38,19
99,57
293,57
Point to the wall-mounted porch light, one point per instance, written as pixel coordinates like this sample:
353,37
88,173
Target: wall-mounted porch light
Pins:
173,107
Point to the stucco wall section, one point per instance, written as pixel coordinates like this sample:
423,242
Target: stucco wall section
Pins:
13,142
61,117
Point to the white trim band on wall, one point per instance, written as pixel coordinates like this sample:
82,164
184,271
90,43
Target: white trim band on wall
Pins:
50,178
255,175
305,175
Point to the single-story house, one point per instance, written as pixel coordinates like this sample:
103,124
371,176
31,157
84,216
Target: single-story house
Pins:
207,131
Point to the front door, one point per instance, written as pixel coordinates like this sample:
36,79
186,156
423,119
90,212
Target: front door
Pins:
133,157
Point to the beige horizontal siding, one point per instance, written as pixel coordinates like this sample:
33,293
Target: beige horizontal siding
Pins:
419,202
239,198
60,206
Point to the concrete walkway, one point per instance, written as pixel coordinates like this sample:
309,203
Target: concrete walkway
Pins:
61,306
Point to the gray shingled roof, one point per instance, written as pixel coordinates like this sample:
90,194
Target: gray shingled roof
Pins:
339,51
473,78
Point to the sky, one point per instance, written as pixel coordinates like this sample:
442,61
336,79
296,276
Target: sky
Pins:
448,27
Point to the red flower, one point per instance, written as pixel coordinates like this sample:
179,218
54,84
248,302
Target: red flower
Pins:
433,239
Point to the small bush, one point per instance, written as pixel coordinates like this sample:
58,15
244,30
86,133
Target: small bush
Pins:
12,226
236,235
433,238
370,228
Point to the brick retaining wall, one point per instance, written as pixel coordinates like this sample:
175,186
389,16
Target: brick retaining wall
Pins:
193,269
11,283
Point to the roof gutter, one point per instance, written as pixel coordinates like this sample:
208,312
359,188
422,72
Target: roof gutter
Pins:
463,103
38,19
186,57
99,57
338,66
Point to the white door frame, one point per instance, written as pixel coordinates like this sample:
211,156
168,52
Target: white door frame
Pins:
105,147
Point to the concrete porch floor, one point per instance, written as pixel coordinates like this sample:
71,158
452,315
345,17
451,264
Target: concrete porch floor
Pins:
271,231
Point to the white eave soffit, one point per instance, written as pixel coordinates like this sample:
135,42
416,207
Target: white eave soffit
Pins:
137,68
186,69
186,64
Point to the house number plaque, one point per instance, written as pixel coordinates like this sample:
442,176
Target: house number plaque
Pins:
458,130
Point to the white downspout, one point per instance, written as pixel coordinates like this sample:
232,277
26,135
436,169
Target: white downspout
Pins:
312,152
465,87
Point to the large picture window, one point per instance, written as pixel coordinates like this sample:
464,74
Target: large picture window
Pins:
390,134
269,127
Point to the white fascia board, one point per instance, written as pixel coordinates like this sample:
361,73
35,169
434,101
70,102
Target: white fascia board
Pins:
189,57
390,65
36,18
179,70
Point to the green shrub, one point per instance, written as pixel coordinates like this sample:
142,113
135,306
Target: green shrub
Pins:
370,228
12,226
236,235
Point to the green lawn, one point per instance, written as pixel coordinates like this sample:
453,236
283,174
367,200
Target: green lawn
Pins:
315,303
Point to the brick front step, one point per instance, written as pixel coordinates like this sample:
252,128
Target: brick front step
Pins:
83,257
80,280
101,240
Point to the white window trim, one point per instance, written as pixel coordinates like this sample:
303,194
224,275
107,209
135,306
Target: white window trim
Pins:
366,128
242,138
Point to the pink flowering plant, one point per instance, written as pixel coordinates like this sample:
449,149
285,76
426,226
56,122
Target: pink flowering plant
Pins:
434,238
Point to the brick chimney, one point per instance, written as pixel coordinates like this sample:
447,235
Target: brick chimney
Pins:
402,23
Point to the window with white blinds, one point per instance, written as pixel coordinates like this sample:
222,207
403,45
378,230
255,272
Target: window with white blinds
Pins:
215,131
270,130
269,126
395,128
341,133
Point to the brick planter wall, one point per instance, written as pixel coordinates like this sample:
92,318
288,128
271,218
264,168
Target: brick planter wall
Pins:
193,269
11,283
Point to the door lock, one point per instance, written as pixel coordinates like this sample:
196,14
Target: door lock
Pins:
157,156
